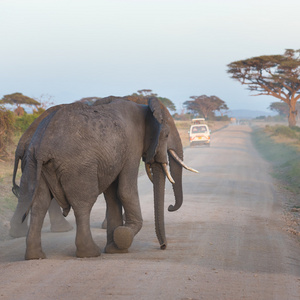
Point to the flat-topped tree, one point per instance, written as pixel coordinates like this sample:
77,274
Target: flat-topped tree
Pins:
272,75
205,106
19,99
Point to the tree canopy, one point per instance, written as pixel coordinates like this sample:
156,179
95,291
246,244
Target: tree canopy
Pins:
282,108
205,106
273,75
18,99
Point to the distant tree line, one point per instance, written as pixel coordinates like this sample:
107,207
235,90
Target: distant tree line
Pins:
19,120
141,97
199,106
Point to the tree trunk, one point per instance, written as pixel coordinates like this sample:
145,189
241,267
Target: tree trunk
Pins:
292,113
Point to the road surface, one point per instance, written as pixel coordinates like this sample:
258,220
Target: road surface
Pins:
228,241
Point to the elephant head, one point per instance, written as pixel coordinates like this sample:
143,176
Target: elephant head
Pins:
162,147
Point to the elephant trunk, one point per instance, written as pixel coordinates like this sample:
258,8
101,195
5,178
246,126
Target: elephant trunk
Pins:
159,195
176,172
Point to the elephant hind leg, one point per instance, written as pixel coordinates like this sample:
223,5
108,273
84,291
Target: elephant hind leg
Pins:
81,193
85,244
38,212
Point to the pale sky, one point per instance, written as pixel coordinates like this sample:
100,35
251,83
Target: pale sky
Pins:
70,49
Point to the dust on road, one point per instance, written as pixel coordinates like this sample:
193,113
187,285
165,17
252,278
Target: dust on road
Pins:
226,242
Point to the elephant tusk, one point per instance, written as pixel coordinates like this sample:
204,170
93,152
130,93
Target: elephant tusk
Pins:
148,171
165,168
177,158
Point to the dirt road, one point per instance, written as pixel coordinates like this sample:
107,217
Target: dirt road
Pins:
226,242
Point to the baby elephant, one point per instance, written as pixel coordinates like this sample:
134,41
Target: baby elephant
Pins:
57,220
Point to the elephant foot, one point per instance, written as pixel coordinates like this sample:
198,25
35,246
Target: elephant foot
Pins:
123,237
93,251
61,226
112,248
34,254
18,230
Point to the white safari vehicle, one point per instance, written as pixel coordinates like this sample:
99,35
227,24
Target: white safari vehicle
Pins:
199,133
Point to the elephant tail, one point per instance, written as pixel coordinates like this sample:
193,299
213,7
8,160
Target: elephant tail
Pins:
34,191
15,189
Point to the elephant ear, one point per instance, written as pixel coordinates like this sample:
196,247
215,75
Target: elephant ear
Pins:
155,106
154,126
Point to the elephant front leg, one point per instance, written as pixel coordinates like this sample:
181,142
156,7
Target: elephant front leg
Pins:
114,220
125,195
123,235
85,244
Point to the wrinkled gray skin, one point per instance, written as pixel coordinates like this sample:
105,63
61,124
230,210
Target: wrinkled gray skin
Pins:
58,222
88,150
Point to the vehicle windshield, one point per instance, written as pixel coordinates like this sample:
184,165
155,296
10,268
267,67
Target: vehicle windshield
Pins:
199,129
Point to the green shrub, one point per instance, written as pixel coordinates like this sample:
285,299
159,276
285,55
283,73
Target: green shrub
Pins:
296,128
23,122
285,132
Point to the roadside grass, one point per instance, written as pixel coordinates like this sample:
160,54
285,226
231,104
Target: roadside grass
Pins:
8,201
280,145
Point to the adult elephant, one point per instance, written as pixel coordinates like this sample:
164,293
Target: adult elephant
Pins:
84,151
57,221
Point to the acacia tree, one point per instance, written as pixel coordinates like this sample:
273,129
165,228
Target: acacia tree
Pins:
205,105
19,99
273,75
